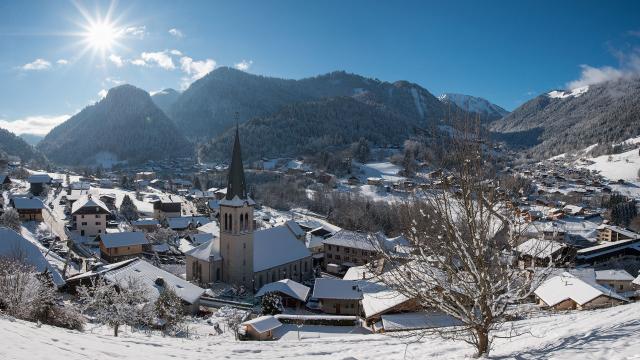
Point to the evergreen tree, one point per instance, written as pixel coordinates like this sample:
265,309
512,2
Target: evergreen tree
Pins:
128,209
271,304
169,311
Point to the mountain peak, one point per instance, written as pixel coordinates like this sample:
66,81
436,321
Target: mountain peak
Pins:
474,104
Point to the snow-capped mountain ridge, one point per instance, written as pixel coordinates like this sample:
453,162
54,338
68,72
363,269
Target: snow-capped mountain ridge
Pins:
487,110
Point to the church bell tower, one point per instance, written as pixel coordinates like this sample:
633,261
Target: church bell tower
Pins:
236,225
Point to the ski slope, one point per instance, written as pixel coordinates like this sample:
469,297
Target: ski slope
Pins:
600,334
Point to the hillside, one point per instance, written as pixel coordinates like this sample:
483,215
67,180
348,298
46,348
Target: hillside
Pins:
165,98
13,145
484,109
208,107
598,334
571,120
124,126
311,127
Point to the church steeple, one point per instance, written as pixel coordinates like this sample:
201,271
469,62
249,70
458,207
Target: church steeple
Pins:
236,185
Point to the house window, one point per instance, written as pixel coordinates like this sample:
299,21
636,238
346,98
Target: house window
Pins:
346,258
329,256
346,250
337,257
329,247
84,223
82,216
98,223
97,216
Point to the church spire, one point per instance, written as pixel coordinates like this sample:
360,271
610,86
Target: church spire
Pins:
235,183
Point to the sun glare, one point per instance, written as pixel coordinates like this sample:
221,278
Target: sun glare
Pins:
101,36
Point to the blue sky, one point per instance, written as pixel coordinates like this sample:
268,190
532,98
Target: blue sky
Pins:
505,51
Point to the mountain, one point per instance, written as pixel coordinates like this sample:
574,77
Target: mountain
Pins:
311,127
32,139
124,126
11,144
209,106
571,120
486,110
165,98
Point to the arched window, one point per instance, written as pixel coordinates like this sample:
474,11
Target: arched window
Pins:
231,222
246,221
218,274
241,222
226,224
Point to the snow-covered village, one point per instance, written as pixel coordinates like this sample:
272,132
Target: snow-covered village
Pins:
263,211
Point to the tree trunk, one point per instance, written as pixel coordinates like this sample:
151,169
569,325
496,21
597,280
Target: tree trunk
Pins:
115,330
483,342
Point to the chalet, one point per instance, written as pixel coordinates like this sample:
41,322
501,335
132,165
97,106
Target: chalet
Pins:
147,224
109,200
573,210
184,223
293,294
145,175
340,297
352,180
538,252
376,181
168,207
619,281
90,216
261,328
568,292
349,248
615,233
122,245
607,251
29,208
154,280
37,183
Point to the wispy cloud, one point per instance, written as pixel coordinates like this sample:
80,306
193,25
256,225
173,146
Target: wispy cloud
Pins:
62,62
195,69
117,60
37,64
37,125
139,32
629,66
177,33
244,65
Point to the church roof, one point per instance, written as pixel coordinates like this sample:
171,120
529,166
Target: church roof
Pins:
236,185
276,246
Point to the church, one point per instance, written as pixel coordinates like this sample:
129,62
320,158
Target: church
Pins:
242,255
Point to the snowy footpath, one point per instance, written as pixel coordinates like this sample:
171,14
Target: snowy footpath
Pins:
600,334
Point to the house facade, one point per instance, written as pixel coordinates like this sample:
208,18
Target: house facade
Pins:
90,216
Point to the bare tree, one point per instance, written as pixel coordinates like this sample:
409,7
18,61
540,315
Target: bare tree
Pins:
11,219
462,235
116,305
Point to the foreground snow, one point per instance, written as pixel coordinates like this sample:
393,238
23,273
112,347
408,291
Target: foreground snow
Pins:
600,334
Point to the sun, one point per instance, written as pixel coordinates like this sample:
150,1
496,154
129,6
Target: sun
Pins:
101,36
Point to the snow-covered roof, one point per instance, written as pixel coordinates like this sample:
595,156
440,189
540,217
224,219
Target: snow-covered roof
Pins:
288,287
276,246
206,250
13,245
622,231
417,321
201,238
606,248
378,298
210,227
128,238
617,275
326,288
263,323
295,228
184,221
352,239
539,248
148,275
236,201
567,286
39,179
145,222
89,202
25,203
